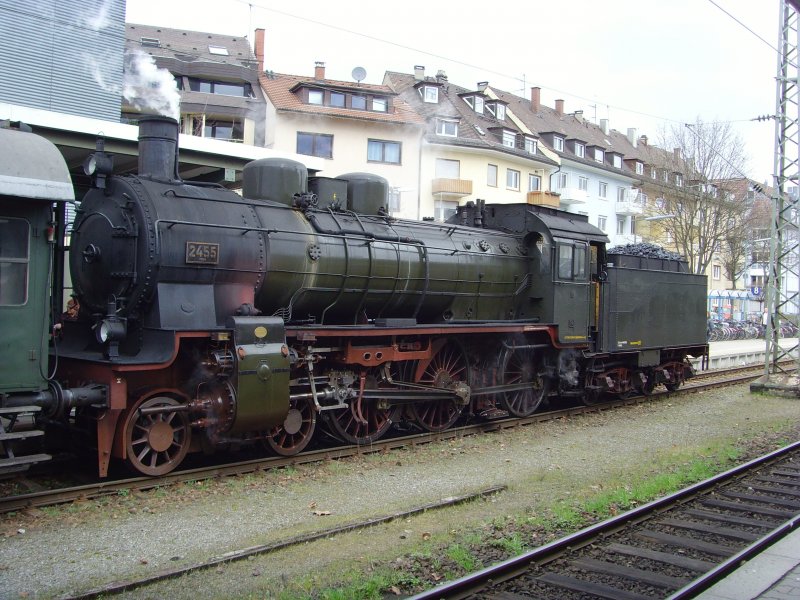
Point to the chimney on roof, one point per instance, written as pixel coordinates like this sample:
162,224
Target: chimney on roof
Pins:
441,76
643,140
632,136
579,116
604,125
259,49
419,72
319,70
482,85
560,107
677,153
536,99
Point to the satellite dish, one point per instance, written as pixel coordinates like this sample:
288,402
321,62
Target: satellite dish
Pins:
359,73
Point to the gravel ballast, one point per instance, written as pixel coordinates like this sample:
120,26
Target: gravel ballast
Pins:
52,552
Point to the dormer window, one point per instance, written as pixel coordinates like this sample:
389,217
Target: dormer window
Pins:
558,143
380,104
497,109
639,168
510,139
151,42
580,150
316,97
599,155
447,127
530,145
430,94
616,160
476,103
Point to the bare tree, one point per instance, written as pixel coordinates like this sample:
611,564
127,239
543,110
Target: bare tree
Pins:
743,246
702,215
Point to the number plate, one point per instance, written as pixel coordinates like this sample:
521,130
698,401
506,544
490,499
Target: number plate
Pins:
202,253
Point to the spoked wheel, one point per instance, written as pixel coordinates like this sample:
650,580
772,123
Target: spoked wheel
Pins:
522,366
645,382
157,443
593,389
362,422
450,365
294,434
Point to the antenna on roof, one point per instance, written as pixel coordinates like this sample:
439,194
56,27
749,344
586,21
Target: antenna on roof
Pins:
359,73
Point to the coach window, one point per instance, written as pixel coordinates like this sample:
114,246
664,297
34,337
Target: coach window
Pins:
14,259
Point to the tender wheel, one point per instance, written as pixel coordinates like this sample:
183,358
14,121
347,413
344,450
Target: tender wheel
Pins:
296,431
156,444
645,382
448,366
362,422
522,366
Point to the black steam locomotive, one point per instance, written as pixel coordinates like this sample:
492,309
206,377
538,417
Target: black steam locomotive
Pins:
201,317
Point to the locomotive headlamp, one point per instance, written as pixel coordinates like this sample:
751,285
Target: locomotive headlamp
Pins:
98,163
110,329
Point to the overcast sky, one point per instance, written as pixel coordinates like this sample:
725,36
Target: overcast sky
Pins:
638,63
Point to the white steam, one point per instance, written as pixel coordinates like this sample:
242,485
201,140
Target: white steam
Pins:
149,88
99,20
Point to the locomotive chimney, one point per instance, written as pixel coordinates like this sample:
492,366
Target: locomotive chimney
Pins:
158,148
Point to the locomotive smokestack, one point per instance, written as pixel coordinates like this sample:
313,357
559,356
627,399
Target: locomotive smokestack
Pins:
158,148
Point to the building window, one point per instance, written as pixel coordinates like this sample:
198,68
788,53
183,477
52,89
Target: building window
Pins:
562,179
617,161
583,183
448,169
394,200
380,104
14,258
653,173
639,168
316,97
383,151
580,150
491,176
219,50
223,88
530,145
534,183
315,144
223,130
337,99
497,110
601,222
448,128
620,225
444,209
679,180
716,272
430,93
558,144
622,194
512,179
598,155
509,139
358,102
602,190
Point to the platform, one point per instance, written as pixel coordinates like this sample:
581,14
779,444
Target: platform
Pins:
739,353
772,575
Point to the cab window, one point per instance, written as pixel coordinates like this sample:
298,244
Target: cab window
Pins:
571,261
14,243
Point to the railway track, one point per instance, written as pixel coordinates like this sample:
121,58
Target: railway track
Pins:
674,547
48,496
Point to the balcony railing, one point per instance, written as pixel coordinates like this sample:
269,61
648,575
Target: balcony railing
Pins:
452,187
544,199
573,195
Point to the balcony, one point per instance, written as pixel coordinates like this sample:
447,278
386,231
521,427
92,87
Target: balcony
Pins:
544,199
452,187
573,195
629,208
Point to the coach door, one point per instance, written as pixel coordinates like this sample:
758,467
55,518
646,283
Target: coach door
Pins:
572,301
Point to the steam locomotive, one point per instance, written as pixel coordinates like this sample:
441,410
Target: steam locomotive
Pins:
201,318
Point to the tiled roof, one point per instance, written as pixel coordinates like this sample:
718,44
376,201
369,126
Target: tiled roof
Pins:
189,45
474,128
278,88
